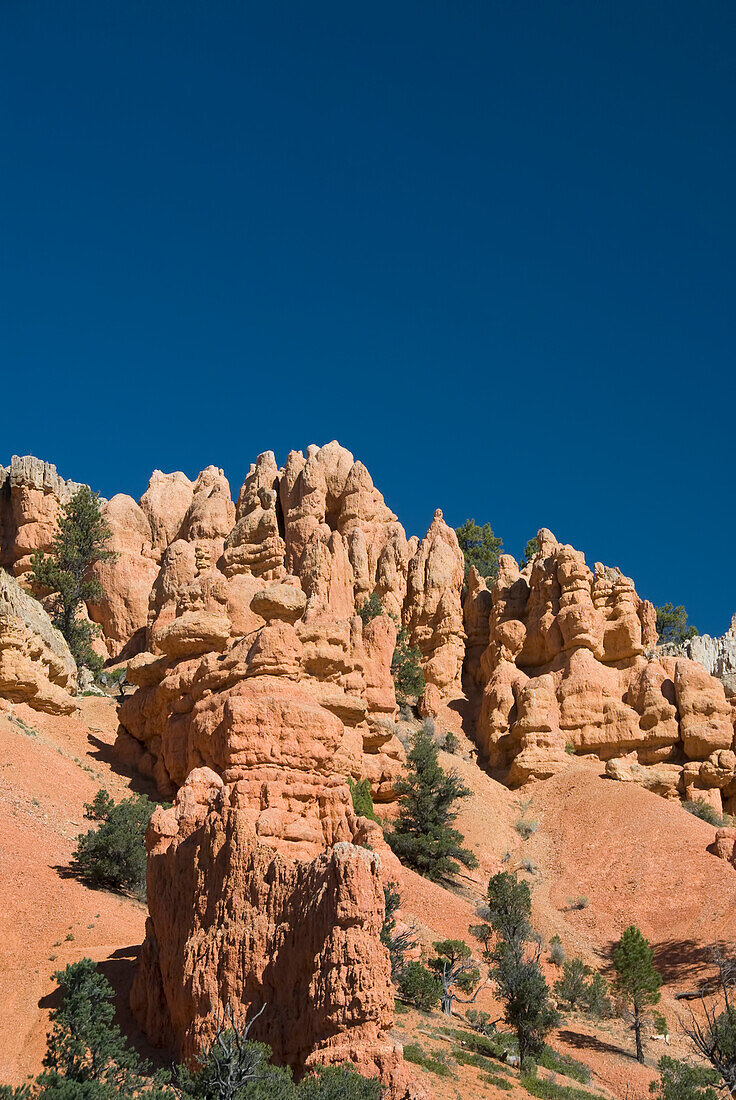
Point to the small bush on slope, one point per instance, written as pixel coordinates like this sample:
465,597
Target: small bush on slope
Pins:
114,854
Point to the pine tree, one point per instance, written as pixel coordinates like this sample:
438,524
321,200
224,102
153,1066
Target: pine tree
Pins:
531,548
114,854
480,548
87,1055
66,572
636,978
423,836
672,626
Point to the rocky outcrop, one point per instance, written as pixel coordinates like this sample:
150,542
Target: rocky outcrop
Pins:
36,666
433,614
300,937
716,655
31,493
570,669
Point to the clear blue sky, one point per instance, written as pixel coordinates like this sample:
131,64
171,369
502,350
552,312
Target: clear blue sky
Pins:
489,246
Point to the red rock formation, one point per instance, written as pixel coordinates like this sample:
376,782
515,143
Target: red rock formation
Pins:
31,493
300,937
569,668
36,666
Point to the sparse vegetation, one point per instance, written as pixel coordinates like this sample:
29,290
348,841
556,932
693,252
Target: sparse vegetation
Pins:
563,1063
531,548
672,625
572,986
637,982
556,951
423,836
360,792
683,1081
526,828
580,902
414,1054
480,548
397,943
713,1031
406,669
114,854
371,608
702,809
66,571
547,1089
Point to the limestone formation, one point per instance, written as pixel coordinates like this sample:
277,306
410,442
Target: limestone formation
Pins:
570,668
36,666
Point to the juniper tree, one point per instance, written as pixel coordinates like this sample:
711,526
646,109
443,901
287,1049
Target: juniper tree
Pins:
637,981
114,854
397,943
531,548
66,571
572,987
423,836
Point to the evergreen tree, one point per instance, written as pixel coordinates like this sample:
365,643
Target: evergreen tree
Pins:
397,943
114,854
516,968
423,836
87,1057
672,624
681,1081
572,987
66,572
713,1032
480,548
371,608
456,969
419,986
596,999
406,670
531,548
637,981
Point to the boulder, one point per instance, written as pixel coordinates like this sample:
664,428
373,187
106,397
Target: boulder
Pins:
36,666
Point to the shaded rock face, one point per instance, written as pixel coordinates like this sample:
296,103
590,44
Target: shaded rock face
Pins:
36,666
300,937
569,669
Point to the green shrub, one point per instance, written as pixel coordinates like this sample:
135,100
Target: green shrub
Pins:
550,1090
114,854
413,1053
334,1083
451,742
702,809
406,670
419,986
360,792
683,1081
597,1001
564,1064
498,1082
572,986
371,609
556,951
580,902
525,828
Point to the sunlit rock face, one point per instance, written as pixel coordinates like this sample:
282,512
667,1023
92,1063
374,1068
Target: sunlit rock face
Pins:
571,668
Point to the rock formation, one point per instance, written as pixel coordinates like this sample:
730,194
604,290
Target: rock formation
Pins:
301,937
569,669
716,655
36,666
31,493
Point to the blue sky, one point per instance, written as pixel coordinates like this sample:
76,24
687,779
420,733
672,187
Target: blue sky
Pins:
490,247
